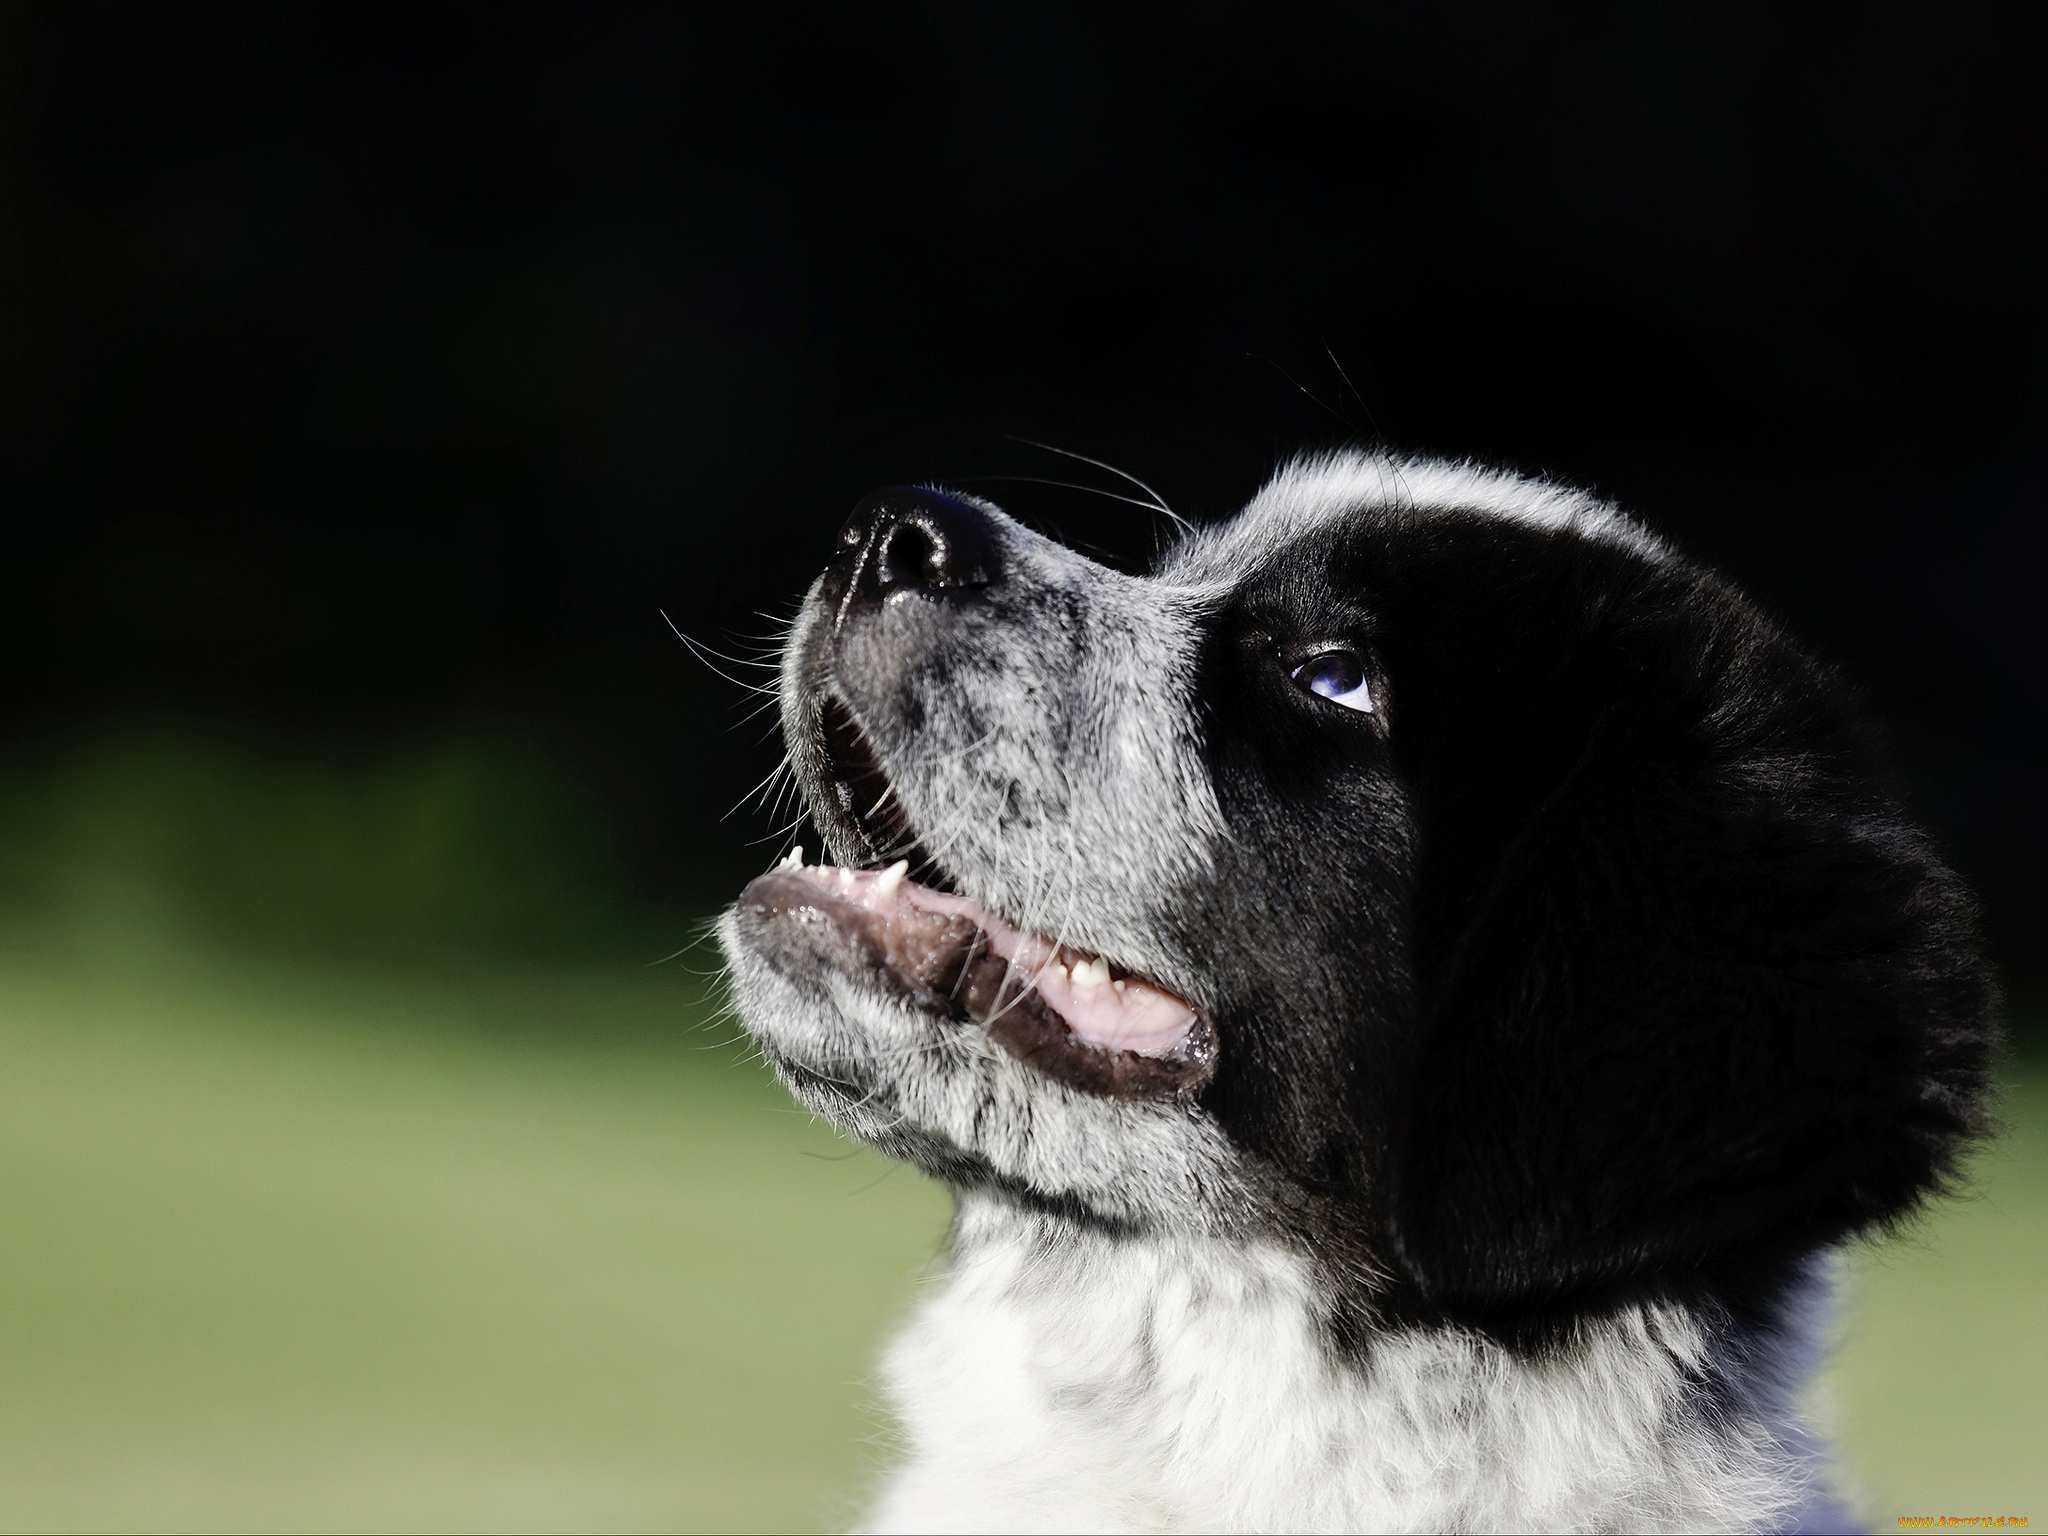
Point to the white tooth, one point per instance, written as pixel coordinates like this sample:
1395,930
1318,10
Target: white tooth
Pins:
1091,973
890,878
794,859
1119,985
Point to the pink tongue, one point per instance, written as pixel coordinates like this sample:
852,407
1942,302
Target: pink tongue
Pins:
1130,1015
1140,1018
1127,1015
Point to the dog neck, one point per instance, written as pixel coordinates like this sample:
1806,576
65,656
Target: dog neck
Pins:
1066,1379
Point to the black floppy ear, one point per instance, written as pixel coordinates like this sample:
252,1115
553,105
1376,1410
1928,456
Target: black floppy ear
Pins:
1702,1000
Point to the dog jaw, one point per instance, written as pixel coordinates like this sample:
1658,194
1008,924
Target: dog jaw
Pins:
1074,1014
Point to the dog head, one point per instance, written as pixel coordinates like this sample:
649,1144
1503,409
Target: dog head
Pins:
1427,866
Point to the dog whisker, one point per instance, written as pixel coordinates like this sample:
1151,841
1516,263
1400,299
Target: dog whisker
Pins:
1156,501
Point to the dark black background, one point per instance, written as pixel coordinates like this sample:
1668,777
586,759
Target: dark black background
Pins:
369,367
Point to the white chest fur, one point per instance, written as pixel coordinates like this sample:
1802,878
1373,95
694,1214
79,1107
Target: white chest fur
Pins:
1065,1381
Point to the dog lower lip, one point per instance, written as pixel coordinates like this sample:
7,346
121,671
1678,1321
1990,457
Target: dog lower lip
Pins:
1072,1015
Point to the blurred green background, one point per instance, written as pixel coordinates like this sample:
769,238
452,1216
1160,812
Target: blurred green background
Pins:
371,1161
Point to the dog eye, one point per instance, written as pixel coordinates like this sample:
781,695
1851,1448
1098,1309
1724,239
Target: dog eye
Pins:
1337,676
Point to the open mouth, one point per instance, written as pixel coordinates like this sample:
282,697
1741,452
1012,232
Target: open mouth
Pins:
1077,1016
868,800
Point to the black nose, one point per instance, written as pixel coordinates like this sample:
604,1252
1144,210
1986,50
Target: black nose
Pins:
905,537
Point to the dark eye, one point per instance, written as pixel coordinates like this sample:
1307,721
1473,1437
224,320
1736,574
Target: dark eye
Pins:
1337,676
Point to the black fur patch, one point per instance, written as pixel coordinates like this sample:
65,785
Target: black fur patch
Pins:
1597,960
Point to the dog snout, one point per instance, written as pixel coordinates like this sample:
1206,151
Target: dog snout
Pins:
908,538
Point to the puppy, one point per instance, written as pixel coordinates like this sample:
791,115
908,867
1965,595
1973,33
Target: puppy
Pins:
1407,996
